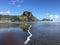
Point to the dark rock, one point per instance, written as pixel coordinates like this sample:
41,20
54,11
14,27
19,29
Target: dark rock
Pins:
45,19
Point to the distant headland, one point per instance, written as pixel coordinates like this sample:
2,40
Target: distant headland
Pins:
25,17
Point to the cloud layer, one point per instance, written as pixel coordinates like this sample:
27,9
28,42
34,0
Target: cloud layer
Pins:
17,2
53,16
7,12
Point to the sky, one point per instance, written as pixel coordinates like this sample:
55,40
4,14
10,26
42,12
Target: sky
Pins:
39,8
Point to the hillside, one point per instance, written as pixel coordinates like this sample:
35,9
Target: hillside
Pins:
25,17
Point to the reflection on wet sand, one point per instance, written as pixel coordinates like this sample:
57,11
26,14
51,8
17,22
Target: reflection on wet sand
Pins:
12,37
25,27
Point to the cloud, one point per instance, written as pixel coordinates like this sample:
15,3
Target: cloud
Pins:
17,1
53,16
7,12
19,6
21,1
13,1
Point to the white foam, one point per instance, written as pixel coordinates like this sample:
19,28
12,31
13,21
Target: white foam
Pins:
28,38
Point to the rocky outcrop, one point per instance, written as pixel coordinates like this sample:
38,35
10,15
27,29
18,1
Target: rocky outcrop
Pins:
27,17
45,19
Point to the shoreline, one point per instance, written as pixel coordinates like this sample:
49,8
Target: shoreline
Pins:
29,22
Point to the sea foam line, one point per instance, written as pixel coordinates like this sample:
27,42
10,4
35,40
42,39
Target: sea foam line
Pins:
30,35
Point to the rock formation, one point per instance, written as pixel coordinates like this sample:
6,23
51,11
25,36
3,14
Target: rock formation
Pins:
26,17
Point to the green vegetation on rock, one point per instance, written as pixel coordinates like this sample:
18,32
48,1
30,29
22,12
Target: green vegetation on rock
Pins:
26,17
24,27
